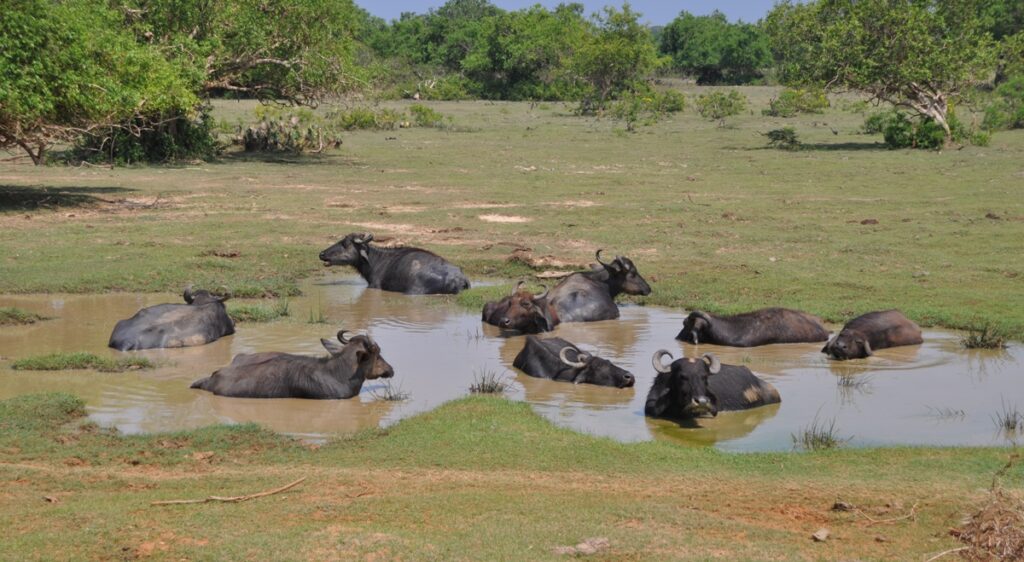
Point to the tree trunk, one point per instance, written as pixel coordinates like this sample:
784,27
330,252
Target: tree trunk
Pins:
932,104
37,156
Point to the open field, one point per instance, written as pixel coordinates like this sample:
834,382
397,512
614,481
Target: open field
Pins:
712,217
477,479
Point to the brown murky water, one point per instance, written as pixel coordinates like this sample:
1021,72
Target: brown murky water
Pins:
933,394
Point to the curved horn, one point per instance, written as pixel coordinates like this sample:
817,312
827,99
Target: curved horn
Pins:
658,365
188,294
579,355
367,237
714,365
867,348
518,286
598,256
703,315
542,295
341,336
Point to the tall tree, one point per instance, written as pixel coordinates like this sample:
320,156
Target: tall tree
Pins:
918,54
617,53
714,50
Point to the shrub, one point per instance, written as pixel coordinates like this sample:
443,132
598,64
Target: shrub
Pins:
719,105
647,107
424,116
792,102
1007,109
152,139
784,138
902,130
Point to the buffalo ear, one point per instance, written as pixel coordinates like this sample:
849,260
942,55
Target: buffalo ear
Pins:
332,347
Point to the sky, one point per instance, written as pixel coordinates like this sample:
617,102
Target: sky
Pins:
655,12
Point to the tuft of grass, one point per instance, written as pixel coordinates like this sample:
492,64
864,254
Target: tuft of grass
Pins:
80,360
1009,418
851,382
486,381
11,316
985,338
316,315
390,392
819,435
245,312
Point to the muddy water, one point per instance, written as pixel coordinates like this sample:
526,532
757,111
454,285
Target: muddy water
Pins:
934,394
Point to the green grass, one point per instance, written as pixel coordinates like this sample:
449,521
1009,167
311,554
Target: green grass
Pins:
820,435
711,217
80,360
13,316
248,312
984,338
481,478
487,381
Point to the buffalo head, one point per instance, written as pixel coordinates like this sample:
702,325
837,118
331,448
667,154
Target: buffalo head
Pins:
681,388
694,326
623,276
350,250
366,354
848,345
595,370
521,312
202,297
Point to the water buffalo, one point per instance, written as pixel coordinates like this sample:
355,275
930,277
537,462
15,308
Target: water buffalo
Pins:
864,334
557,359
283,375
202,320
761,327
589,296
522,312
412,271
688,388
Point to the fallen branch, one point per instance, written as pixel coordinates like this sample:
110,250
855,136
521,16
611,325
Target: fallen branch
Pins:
232,498
873,521
950,551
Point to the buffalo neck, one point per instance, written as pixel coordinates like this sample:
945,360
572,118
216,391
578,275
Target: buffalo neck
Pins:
604,277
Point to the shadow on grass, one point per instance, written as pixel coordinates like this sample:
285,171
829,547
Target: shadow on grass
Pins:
326,157
20,198
824,146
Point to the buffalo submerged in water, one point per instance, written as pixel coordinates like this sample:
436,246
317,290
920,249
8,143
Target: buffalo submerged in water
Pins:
688,388
201,320
761,327
864,334
282,375
412,271
522,312
559,360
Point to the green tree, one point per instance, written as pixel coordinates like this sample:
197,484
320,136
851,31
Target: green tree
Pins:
714,50
67,68
917,54
295,50
615,55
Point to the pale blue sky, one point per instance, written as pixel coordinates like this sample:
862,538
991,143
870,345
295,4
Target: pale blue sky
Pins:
656,12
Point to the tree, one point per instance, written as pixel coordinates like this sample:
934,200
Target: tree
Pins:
917,54
616,53
294,50
67,68
714,50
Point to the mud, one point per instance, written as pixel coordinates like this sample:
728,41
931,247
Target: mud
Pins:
932,394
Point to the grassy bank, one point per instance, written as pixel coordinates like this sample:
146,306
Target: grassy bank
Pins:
80,360
428,488
711,216
13,316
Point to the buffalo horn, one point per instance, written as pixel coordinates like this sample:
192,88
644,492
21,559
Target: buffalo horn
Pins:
518,286
714,365
867,348
542,295
598,256
696,338
703,315
579,355
188,294
658,365
341,336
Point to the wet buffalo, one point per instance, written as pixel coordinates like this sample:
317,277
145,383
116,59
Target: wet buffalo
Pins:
522,312
864,334
688,388
282,375
557,359
761,327
201,320
412,271
590,296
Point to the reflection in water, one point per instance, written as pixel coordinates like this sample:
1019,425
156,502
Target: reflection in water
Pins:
437,349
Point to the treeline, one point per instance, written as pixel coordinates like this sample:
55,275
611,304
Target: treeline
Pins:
129,79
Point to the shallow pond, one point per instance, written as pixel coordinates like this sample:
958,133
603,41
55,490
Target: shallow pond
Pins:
932,394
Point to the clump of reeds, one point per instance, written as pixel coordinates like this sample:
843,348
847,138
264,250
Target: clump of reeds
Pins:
487,381
984,338
819,435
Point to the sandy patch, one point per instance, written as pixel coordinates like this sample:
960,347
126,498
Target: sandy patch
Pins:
581,203
486,205
503,218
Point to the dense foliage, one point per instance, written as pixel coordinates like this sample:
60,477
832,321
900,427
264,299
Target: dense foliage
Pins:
791,102
714,50
719,105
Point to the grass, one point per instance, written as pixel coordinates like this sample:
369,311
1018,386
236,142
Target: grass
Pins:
80,360
818,435
495,480
248,312
316,311
486,381
13,316
712,218
984,338
1009,419
390,392
853,382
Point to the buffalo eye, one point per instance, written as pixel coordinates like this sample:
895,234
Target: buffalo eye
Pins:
527,304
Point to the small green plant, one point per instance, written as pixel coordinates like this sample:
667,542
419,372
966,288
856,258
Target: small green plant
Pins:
245,312
984,338
819,435
80,360
424,116
486,381
790,103
783,139
389,392
646,108
1009,419
719,105
10,316
316,311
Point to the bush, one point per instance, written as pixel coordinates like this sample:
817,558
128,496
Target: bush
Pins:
296,132
152,139
1007,109
719,105
792,102
646,108
424,116
784,138
902,130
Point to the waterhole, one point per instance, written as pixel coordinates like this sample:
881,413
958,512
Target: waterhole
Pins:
933,394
